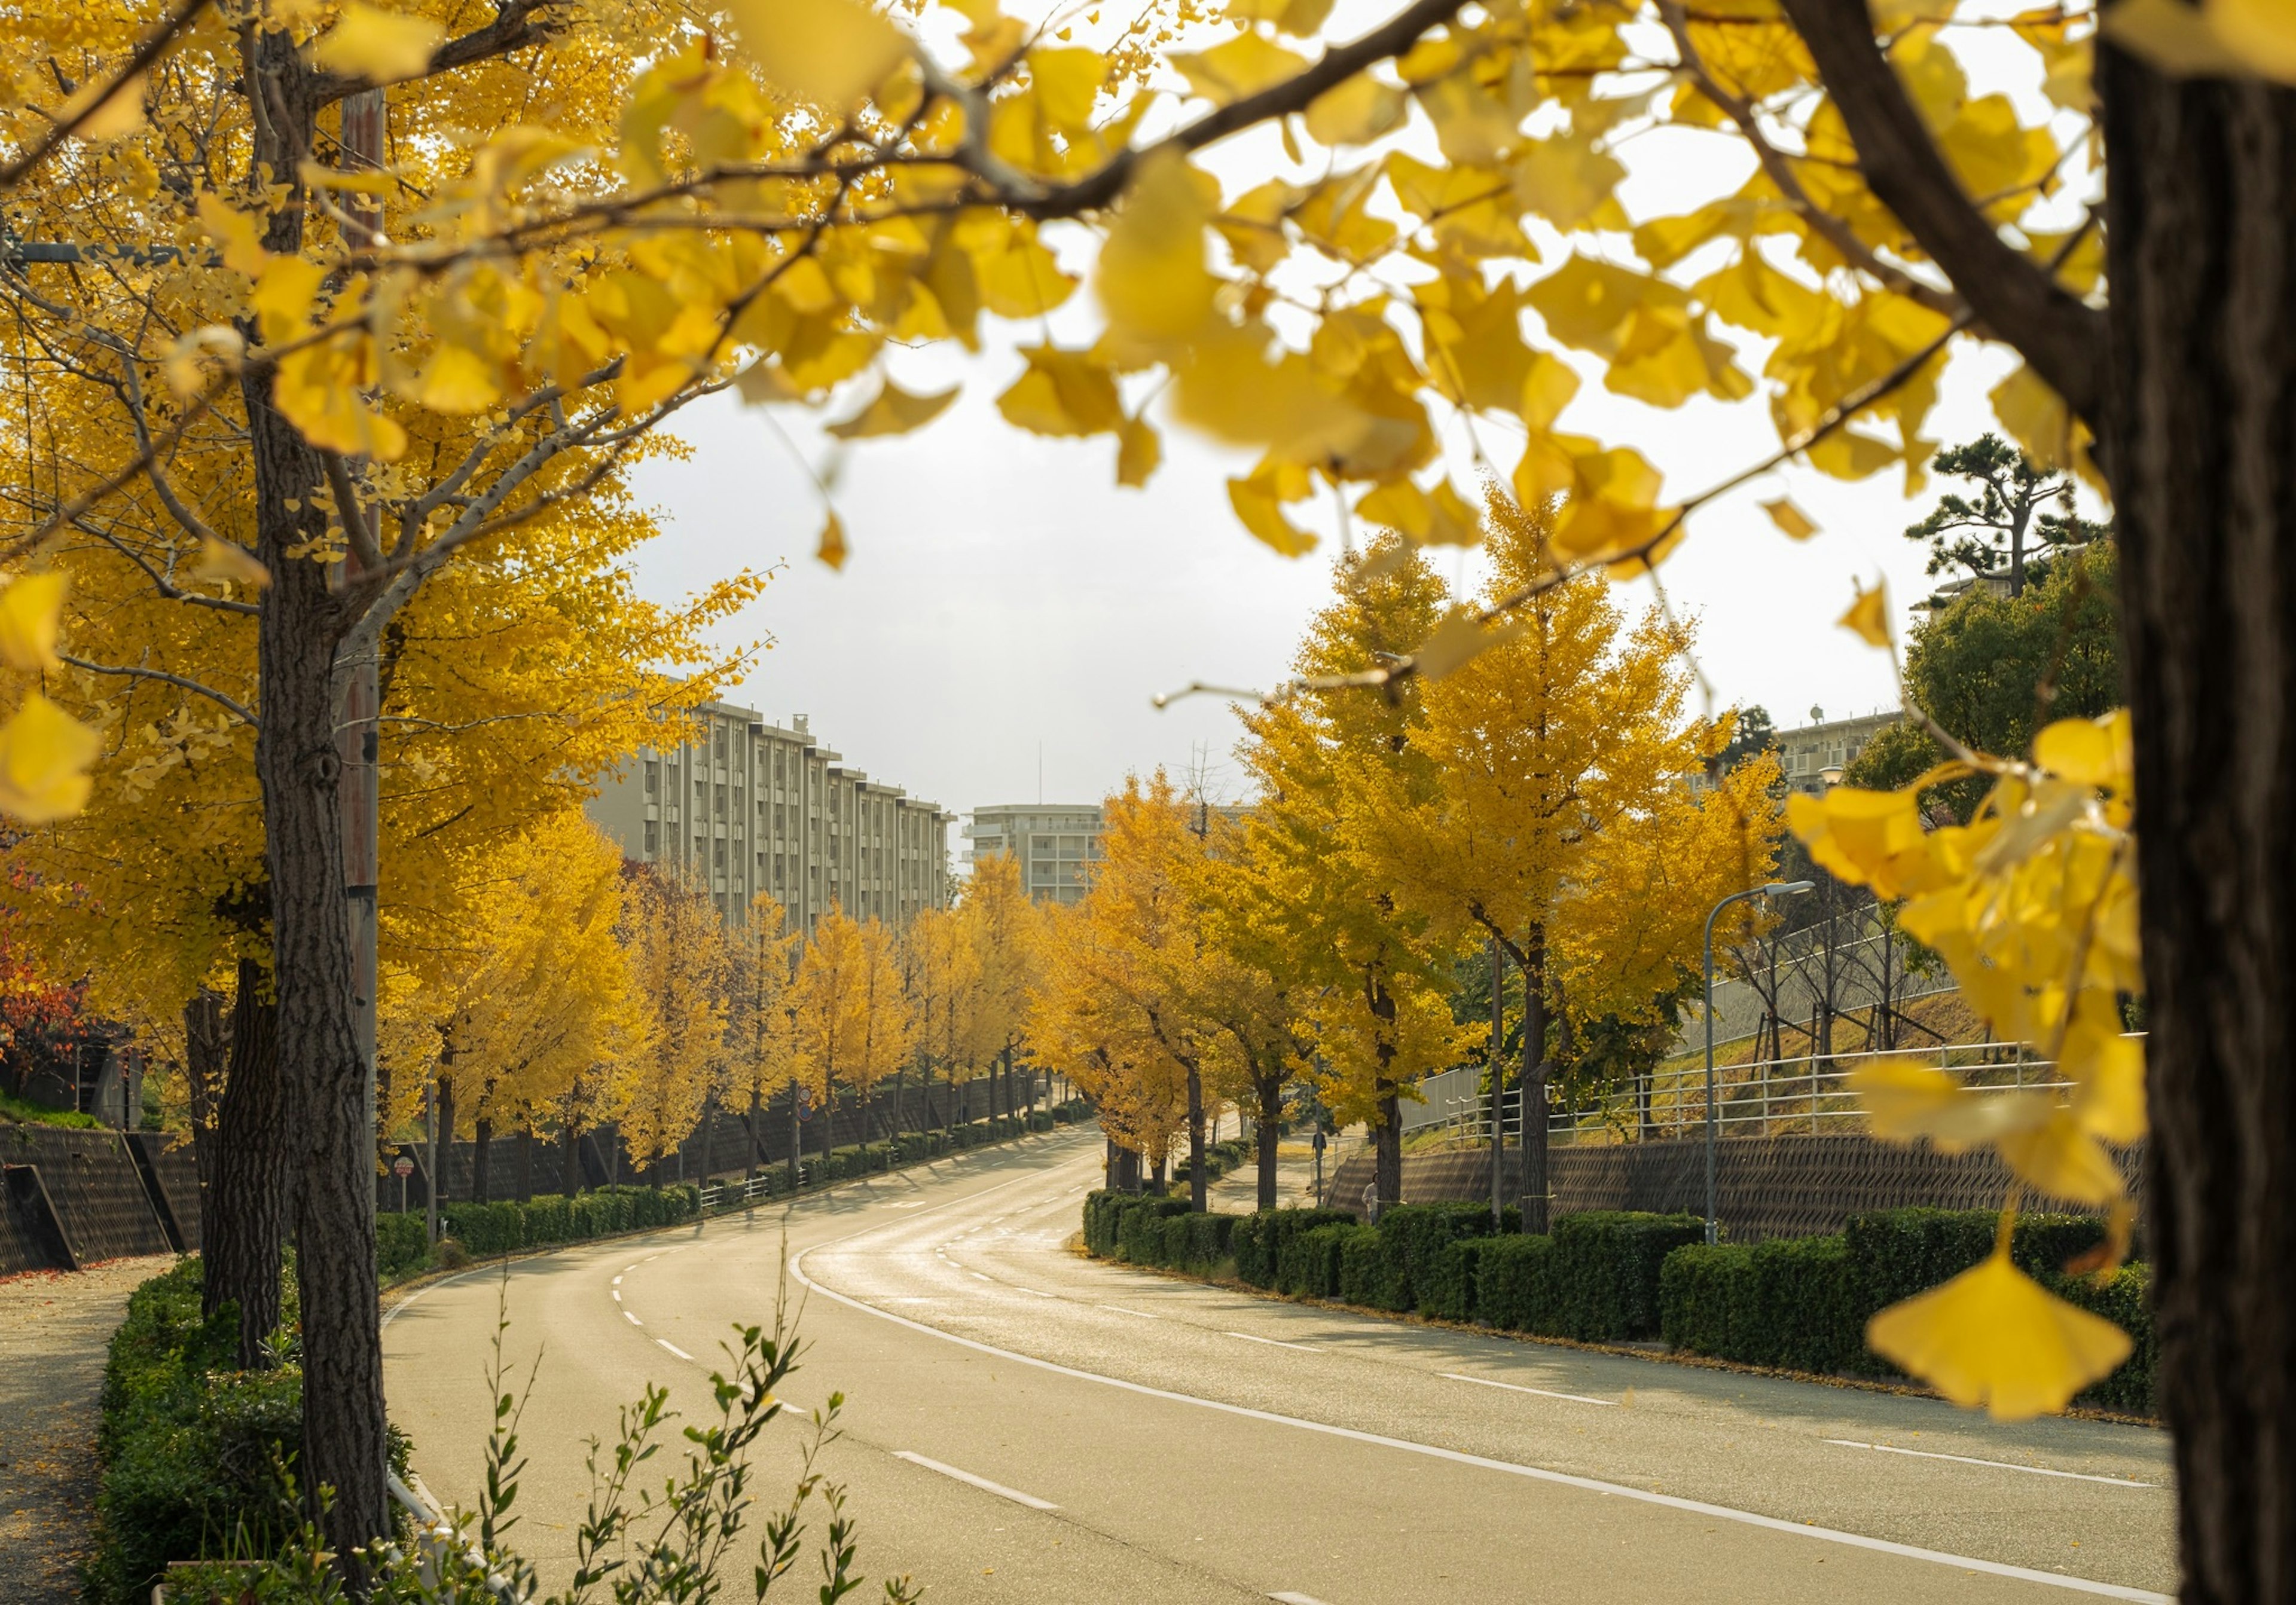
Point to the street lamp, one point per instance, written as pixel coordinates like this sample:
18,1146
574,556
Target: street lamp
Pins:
1776,889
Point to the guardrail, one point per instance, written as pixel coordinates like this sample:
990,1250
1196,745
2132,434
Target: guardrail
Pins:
1778,1097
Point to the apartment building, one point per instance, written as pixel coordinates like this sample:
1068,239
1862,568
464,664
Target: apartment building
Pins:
751,807
1056,844
1825,746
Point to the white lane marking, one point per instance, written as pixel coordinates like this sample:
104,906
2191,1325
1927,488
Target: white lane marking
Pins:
673,1348
976,1277
633,1319
2003,1465
983,1483
1696,1507
618,1295
633,1266
1143,1314
618,1281
1289,1597
1272,1342
1544,1393
1039,1292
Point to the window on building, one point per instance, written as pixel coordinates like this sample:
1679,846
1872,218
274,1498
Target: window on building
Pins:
721,796
720,734
719,860
653,776
652,838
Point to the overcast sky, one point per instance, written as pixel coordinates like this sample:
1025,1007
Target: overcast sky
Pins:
1004,599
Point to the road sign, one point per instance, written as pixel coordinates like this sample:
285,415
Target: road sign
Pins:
402,1167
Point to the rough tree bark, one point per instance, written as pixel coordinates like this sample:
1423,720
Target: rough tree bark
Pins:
207,1041
1198,1183
1535,1185
2201,449
482,1148
249,1205
1264,1134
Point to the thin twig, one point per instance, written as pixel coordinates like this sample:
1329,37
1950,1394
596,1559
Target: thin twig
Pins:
147,53
209,692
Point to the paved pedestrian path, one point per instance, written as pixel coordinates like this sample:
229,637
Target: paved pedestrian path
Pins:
54,1326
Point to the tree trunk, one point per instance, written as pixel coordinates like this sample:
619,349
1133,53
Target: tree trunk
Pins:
1198,1183
1535,1185
797,1142
1271,1114
248,1207
482,1144
2202,232
1387,1153
1127,1175
207,1043
709,1124
446,1107
526,1162
757,1148
569,1164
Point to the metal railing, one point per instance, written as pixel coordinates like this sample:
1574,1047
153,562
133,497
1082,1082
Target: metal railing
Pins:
1804,1095
1781,1097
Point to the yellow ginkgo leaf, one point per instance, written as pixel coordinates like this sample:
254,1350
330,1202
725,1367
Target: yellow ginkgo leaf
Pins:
1262,513
1139,451
2175,37
1458,640
831,550
1151,277
120,114
1243,66
44,754
237,232
1357,113
1869,616
1993,1336
830,52
1790,519
229,560
28,610
894,411
1062,393
197,354
2089,752
2059,1157
380,46
1905,1099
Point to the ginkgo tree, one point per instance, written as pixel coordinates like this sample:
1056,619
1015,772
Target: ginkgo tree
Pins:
652,215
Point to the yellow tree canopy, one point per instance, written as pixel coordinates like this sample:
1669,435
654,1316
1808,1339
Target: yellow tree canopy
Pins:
1002,927
536,993
1089,1030
829,1004
678,970
760,1056
888,1030
941,970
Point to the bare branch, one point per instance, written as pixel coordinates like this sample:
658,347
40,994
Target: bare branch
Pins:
209,692
2018,300
516,26
71,510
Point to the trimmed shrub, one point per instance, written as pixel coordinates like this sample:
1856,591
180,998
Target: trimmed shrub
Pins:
1417,1233
1371,1271
1606,1271
1258,1241
1140,1231
1311,1262
1447,1288
189,1447
1207,1240
1514,1282
401,1249
1699,1286
2125,1299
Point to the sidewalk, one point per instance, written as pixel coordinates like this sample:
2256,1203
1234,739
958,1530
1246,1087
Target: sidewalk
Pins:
54,1327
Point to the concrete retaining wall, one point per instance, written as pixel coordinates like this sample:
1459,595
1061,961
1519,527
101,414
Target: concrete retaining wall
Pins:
99,1195
1764,1187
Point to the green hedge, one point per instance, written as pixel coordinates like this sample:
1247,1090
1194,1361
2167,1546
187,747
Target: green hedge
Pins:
1802,1304
187,1446
1258,1241
1219,1159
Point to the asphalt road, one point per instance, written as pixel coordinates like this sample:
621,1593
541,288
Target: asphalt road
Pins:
1024,1424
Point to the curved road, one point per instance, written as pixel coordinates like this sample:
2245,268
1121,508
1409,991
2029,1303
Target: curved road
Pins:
1024,1424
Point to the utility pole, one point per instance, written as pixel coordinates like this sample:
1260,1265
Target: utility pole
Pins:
359,694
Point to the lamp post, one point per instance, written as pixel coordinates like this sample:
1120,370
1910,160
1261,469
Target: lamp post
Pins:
1776,889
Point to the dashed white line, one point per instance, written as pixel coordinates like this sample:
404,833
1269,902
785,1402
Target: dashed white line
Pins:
633,1319
673,1348
1272,1343
2000,1465
1143,1314
983,1483
976,1277
1290,1598
1544,1393
618,1295
1039,1292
